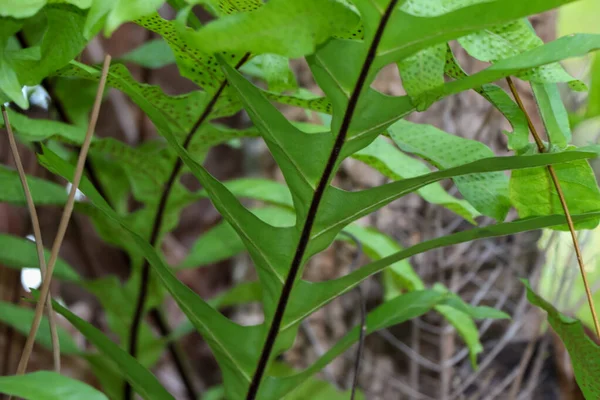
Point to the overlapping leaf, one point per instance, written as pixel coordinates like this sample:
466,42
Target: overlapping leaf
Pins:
61,40
582,350
503,41
396,165
488,193
533,193
408,33
23,10
560,49
554,114
220,333
110,14
519,138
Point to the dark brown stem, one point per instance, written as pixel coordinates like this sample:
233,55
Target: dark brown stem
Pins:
314,207
156,227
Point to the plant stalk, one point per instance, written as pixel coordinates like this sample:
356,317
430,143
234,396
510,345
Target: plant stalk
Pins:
314,207
64,222
563,202
37,233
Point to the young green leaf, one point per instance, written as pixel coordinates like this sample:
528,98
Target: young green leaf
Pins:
593,106
274,69
377,245
9,81
582,350
465,327
46,385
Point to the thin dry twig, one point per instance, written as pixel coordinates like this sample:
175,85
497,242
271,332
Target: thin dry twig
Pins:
37,233
64,221
563,203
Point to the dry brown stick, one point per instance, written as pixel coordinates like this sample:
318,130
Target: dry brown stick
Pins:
563,203
37,233
64,222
